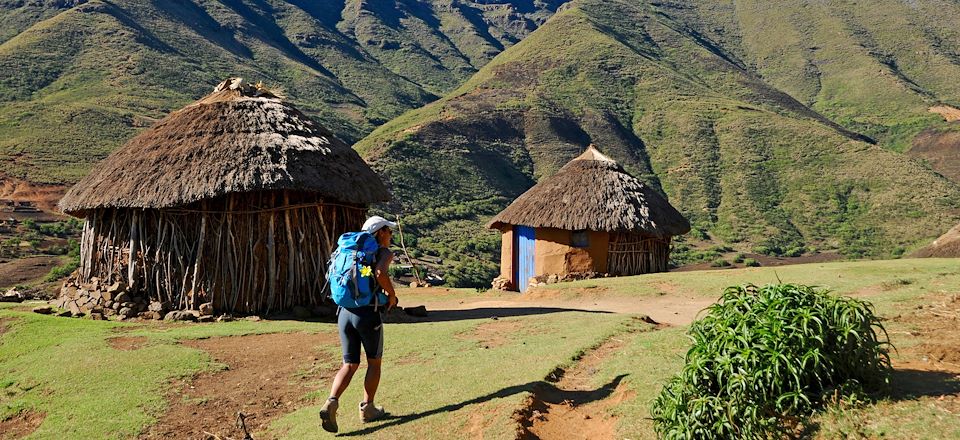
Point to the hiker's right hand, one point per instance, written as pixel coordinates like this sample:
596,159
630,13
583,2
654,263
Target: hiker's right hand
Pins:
392,302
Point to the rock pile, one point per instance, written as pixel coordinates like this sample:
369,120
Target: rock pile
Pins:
563,278
501,283
12,295
100,299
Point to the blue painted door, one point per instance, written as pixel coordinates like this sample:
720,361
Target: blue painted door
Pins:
525,252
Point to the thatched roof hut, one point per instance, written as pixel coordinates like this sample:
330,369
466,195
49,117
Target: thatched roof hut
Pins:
237,139
591,216
236,199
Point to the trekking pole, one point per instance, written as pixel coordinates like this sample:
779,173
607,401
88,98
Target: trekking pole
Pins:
416,273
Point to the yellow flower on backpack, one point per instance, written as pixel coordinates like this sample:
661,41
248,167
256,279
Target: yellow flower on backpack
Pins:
366,271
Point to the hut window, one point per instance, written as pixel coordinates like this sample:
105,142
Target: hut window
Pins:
580,239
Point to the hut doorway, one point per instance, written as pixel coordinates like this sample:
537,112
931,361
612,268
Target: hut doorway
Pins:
525,245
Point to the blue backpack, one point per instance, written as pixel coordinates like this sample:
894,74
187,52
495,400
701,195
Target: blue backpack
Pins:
351,270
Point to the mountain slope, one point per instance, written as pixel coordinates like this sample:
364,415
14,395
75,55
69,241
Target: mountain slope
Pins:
79,77
875,67
747,162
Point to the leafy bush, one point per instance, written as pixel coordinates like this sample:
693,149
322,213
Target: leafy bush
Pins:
719,262
763,356
793,252
473,274
750,262
397,271
739,258
60,272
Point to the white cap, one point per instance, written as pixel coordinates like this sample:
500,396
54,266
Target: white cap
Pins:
373,224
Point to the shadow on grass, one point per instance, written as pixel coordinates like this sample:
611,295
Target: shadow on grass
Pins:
543,390
495,312
906,384
913,384
399,317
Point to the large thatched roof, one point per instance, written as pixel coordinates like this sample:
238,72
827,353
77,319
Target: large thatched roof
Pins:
593,192
240,138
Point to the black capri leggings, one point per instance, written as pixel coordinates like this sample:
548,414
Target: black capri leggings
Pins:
360,326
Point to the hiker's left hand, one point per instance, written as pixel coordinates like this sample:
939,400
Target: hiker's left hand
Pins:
392,302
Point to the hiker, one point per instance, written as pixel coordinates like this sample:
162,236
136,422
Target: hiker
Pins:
362,325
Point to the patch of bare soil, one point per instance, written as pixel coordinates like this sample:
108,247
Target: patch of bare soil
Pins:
932,367
24,270
949,113
5,325
492,334
536,293
482,418
945,246
939,149
265,377
569,407
127,343
21,425
411,359
44,197
938,329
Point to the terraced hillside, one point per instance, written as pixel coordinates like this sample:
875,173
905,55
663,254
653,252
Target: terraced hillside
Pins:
81,76
773,128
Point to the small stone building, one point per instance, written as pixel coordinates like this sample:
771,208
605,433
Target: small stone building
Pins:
591,216
236,200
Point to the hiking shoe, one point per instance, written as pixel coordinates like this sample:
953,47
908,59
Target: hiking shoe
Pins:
328,415
370,412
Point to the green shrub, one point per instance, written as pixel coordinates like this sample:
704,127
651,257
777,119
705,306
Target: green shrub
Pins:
764,250
474,274
397,271
739,258
763,356
719,262
60,272
750,262
793,252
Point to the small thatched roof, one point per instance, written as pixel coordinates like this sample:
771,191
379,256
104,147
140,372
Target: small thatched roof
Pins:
240,138
593,192
946,246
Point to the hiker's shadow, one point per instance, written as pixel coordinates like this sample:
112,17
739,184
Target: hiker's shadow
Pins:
545,391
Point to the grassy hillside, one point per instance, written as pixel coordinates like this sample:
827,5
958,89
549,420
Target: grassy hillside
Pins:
80,77
751,155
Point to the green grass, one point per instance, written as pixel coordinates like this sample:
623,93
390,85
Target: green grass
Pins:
65,369
119,393
454,377
843,277
438,379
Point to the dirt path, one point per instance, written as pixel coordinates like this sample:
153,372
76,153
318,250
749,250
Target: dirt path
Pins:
266,376
570,406
678,309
